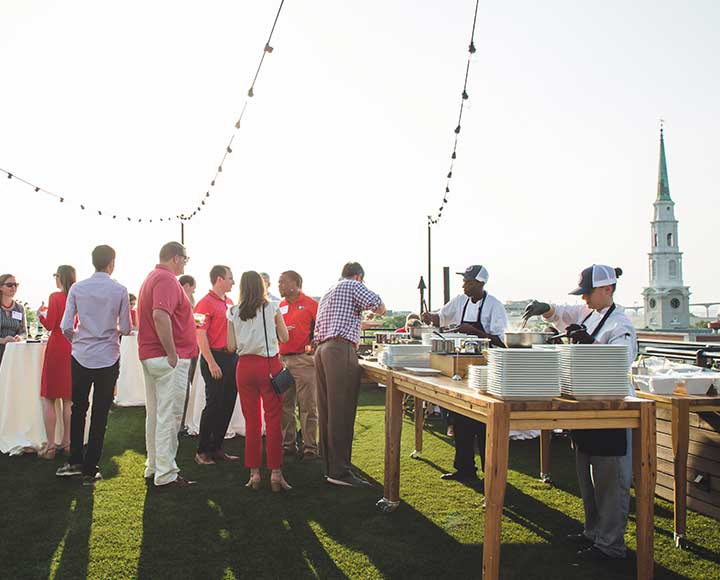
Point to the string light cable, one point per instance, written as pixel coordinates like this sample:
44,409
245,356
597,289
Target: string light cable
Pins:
205,198
435,218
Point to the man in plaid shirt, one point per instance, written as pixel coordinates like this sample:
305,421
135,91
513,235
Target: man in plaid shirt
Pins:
337,333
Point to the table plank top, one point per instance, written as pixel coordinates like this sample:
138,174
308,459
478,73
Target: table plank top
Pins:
461,390
693,400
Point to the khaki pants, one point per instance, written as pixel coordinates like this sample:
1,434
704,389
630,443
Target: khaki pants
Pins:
338,387
303,395
165,397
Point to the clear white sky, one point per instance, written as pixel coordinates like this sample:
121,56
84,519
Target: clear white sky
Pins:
128,106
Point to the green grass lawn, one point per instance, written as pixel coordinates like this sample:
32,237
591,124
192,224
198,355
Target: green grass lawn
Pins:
219,529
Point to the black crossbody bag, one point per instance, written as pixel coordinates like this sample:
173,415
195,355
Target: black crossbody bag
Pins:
284,379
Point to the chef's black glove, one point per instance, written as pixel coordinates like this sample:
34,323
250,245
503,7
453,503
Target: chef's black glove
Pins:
535,308
578,334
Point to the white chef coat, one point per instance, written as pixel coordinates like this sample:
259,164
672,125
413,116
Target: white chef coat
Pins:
493,318
617,328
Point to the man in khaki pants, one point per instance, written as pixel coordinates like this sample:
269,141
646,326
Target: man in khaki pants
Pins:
299,312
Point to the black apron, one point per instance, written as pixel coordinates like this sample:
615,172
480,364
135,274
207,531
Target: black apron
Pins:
602,442
477,324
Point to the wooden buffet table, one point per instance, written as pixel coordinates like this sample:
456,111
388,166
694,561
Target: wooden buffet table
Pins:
681,406
502,416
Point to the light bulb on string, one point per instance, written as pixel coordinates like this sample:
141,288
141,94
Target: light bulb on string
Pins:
268,48
251,93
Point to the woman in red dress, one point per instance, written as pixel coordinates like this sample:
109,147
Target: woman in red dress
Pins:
56,381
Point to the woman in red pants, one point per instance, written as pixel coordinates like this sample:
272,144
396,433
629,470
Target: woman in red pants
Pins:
256,326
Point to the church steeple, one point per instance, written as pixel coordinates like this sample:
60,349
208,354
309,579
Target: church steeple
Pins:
666,297
663,186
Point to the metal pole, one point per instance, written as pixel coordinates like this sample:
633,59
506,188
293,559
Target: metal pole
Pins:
421,287
429,274
182,233
446,284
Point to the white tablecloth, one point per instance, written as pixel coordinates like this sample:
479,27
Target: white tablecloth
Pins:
21,417
131,382
196,404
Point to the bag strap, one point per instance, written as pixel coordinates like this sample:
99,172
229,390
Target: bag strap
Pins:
267,347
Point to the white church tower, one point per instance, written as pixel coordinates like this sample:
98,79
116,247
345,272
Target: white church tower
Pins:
667,299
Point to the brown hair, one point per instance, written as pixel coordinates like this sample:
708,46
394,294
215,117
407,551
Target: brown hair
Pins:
170,250
253,295
67,277
218,271
4,278
102,256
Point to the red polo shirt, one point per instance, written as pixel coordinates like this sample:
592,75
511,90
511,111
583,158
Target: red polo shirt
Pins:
299,317
215,310
162,291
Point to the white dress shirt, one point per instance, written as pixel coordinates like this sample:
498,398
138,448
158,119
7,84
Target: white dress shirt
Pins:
493,318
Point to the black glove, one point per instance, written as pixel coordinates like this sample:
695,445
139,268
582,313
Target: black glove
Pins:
578,334
535,308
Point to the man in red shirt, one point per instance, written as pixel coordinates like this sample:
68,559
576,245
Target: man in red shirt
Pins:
166,344
299,312
217,366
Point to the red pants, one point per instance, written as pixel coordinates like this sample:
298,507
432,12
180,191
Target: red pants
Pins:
253,383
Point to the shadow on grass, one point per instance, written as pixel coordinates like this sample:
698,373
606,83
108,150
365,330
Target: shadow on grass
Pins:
46,528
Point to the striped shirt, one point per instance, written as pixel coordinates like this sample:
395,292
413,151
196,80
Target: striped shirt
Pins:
340,310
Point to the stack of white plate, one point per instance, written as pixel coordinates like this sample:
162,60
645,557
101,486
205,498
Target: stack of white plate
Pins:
594,371
523,373
405,355
477,376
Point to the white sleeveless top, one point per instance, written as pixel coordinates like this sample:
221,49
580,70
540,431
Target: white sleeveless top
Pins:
249,334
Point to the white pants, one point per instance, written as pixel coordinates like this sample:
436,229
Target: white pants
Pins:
164,402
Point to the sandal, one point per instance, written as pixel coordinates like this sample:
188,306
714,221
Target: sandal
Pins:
47,453
278,483
254,481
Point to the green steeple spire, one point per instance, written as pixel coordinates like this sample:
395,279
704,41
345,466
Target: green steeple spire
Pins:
663,188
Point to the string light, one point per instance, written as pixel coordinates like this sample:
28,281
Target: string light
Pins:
267,49
464,96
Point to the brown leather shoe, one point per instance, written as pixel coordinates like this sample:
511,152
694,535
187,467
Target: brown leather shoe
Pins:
179,482
203,459
222,456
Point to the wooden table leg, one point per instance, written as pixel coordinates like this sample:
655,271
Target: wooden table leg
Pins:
644,468
419,425
496,466
680,429
393,430
545,441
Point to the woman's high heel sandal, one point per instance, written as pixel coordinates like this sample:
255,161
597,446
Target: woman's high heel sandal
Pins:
278,484
254,481
47,453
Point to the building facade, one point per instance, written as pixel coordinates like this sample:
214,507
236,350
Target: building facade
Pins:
667,299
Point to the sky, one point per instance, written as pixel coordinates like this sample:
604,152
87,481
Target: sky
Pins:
344,148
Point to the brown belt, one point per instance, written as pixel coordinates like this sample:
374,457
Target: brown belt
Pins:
340,338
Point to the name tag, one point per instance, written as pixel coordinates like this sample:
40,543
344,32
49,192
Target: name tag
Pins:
284,309
17,315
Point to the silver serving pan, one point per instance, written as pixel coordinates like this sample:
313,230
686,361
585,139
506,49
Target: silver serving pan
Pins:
442,346
417,332
526,339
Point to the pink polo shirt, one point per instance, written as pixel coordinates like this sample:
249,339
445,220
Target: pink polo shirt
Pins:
162,291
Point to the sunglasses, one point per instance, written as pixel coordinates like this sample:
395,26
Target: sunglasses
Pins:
56,275
12,284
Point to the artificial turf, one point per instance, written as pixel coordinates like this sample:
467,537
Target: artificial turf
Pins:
219,529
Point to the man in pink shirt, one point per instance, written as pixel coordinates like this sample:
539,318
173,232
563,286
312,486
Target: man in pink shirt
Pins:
166,345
